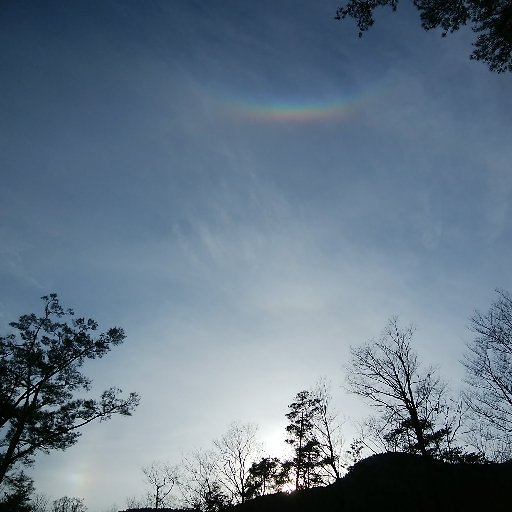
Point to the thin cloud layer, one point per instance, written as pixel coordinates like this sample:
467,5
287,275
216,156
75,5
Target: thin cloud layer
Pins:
248,189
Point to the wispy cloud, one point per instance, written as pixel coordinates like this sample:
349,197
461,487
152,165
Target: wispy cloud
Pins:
242,254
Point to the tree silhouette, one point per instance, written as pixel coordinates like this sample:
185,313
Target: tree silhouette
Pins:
16,491
39,375
161,478
199,482
490,19
39,502
266,477
67,504
488,362
412,401
327,431
301,437
236,451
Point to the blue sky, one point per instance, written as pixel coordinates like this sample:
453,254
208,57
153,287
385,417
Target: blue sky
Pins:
248,189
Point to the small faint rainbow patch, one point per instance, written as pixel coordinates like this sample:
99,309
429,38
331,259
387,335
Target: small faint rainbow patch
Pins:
289,109
298,111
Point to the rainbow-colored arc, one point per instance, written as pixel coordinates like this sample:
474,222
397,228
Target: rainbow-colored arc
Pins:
293,111
286,109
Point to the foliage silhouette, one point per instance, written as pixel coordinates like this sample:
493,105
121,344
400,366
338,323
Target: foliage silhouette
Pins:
67,504
302,438
266,476
39,376
491,20
17,491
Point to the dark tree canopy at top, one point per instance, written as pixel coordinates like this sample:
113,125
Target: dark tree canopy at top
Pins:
490,19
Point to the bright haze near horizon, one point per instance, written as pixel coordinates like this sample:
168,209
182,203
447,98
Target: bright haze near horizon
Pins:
248,189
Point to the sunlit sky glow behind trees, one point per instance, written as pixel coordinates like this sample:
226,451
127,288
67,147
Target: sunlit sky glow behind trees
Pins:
248,189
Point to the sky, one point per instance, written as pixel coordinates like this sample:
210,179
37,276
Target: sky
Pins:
248,189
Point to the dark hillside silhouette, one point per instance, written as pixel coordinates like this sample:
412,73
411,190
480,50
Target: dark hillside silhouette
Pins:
400,482
161,509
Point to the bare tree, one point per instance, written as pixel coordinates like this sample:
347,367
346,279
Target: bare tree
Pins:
161,478
199,482
371,435
327,427
237,450
491,445
353,454
410,398
112,508
488,362
135,503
